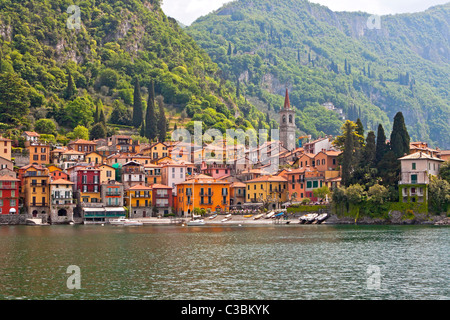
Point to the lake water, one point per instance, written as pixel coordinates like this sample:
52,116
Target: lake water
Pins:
226,263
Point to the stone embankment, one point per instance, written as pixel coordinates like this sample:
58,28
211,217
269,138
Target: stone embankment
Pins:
395,218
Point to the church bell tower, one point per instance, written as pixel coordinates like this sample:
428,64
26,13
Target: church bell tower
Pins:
287,125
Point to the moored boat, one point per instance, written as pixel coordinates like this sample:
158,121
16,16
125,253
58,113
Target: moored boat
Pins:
259,216
125,222
321,218
196,223
310,218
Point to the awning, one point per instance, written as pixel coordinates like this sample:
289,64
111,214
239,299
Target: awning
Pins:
114,209
249,204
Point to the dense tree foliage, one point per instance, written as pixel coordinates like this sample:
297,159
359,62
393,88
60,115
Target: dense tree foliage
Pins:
51,71
324,56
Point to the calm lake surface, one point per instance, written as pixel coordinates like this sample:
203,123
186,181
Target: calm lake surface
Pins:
232,263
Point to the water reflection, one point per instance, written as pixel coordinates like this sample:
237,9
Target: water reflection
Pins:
277,262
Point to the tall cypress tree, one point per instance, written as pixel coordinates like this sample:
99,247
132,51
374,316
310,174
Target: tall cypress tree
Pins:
238,89
137,105
96,113
102,118
399,136
162,124
347,159
369,152
381,148
71,89
151,123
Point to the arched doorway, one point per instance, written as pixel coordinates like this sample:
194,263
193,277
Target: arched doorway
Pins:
35,213
62,213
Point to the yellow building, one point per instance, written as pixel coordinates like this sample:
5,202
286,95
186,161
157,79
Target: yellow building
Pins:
267,189
138,199
107,173
94,158
35,187
156,151
203,192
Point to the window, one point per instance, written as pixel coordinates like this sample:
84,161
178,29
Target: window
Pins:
413,166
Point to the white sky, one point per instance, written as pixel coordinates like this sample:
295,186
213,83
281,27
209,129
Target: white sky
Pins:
187,11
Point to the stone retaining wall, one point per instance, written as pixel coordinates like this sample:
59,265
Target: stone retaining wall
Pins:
14,219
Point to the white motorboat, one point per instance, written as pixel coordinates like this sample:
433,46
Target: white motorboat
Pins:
308,218
259,216
213,216
311,217
270,215
196,223
125,222
321,218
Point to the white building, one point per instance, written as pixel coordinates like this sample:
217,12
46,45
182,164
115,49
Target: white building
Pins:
416,170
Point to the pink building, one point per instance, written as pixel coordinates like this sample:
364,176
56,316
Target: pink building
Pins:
215,170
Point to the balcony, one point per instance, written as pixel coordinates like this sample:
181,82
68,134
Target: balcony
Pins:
33,185
113,194
202,194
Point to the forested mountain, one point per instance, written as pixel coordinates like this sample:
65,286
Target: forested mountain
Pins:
52,69
368,68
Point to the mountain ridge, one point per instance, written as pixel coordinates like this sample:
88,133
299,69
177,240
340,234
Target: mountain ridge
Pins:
410,68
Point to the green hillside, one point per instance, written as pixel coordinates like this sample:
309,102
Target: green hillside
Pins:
51,71
324,56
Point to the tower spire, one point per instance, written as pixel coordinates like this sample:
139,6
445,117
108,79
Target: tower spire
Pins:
287,103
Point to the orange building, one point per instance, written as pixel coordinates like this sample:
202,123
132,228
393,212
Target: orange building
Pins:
326,160
39,153
5,148
202,192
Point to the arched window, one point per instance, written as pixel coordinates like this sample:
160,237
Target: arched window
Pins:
284,119
290,118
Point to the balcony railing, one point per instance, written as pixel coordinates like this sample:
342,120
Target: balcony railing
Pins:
113,194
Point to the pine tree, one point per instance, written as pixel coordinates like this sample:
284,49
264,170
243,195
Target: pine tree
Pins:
238,90
399,136
229,49
151,122
137,105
